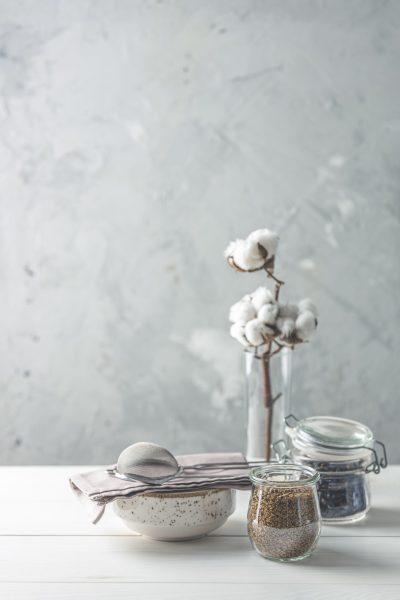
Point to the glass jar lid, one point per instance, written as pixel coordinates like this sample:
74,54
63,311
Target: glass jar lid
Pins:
324,439
334,432
284,475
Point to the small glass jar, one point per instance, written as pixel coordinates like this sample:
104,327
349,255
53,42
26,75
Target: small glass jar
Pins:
283,520
344,453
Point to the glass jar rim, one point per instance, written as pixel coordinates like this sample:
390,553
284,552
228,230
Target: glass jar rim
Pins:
333,432
275,475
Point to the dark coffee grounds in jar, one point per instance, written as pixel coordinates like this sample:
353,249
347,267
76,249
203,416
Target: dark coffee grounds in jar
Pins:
283,523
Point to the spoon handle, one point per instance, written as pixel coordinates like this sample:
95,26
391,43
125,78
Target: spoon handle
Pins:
224,465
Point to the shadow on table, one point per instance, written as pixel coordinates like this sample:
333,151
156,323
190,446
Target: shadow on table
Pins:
346,559
343,560
382,518
218,545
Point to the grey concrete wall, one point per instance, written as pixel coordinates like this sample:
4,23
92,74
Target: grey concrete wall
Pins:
137,138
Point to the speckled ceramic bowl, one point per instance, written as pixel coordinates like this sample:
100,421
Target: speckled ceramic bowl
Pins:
178,515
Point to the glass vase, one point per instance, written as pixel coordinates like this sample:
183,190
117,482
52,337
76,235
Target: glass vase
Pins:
267,391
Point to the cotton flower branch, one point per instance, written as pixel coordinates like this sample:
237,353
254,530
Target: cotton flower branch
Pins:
259,321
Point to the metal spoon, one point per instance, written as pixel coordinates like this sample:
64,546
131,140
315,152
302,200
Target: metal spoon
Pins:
151,463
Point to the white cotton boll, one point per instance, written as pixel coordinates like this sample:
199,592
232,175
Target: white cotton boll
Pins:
243,256
268,313
267,239
237,332
306,304
241,253
261,296
286,326
255,253
230,249
255,331
242,311
306,324
288,311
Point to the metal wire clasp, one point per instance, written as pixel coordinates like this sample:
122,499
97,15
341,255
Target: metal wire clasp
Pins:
378,463
287,421
281,450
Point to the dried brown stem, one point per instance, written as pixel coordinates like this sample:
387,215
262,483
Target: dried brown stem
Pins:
278,282
278,344
276,398
275,352
267,397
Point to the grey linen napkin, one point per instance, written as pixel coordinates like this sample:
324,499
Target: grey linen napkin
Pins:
96,489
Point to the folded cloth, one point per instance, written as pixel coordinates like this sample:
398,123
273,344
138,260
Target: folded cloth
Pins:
97,488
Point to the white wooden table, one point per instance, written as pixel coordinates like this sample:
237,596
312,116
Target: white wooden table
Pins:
49,550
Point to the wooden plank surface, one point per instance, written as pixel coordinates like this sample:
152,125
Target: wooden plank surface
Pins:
49,549
200,591
228,560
